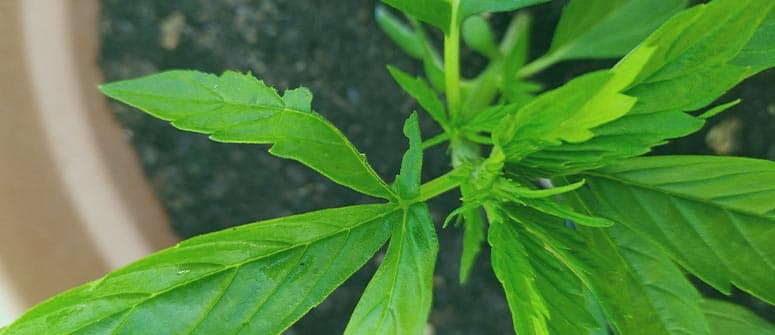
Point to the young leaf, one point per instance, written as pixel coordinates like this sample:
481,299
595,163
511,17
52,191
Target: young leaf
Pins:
398,298
473,7
442,13
632,295
726,318
692,62
713,215
420,91
256,279
607,28
237,108
562,290
400,33
435,12
511,264
408,179
568,114
478,35
473,235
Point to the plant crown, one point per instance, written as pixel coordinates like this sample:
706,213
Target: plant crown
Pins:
585,236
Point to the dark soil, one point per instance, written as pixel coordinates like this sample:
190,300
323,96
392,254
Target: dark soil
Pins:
335,49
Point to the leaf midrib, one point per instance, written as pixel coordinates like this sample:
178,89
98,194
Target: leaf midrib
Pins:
674,194
236,266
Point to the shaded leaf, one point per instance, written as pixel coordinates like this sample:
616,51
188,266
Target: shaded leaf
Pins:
713,215
420,91
472,7
635,300
726,318
473,234
398,298
759,53
608,28
443,13
511,264
237,108
478,35
254,279
399,32
562,291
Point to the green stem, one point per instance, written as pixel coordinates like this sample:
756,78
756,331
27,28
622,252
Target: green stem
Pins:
540,64
438,139
440,185
452,64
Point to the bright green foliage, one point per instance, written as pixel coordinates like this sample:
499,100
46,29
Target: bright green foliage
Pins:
425,96
584,236
398,298
478,35
511,264
715,216
254,279
237,108
688,67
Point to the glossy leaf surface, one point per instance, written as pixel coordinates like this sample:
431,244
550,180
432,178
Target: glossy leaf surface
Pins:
691,63
253,279
714,215
398,298
237,108
569,113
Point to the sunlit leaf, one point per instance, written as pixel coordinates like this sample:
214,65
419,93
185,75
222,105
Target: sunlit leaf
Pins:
237,108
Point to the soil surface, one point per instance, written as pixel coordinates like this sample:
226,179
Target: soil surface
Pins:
335,49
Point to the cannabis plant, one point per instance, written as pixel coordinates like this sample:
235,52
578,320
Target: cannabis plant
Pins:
586,237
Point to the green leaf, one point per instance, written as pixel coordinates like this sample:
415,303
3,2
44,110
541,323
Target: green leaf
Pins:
237,108
478,35
399,32
759,53
398,298
691,63
726,318
442,13
568,114
511,264
473,235
607,28
473,7
560,287
672,295
255,279
713,215
639,289
435,12
408,179
420,91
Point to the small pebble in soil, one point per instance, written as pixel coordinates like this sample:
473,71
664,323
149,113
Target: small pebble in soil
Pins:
170,28
723,137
